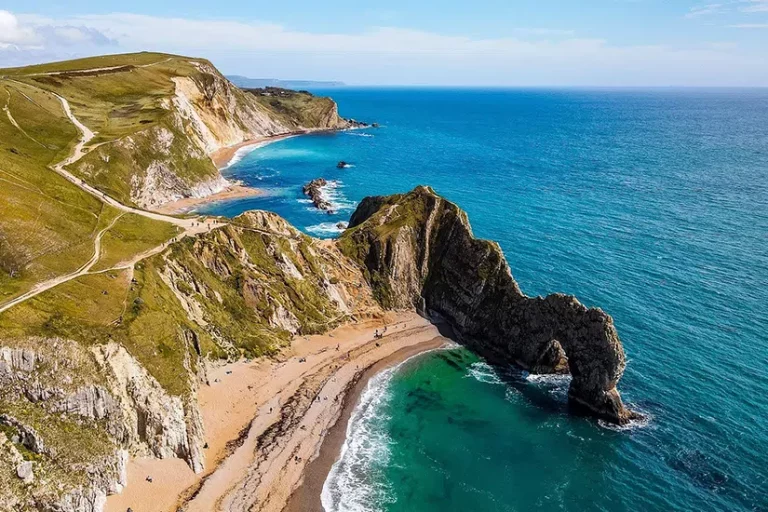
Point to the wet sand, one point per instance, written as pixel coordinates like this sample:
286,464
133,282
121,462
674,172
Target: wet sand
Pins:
307,498
266,421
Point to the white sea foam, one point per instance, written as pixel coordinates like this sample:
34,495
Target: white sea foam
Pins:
327,228
643,422
242,152
352,484
349,486
556,385
557,380
333,193
483,372
359,134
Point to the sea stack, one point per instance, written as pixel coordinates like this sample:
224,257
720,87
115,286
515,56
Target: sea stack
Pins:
314,190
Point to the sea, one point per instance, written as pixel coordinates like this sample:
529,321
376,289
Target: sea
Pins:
651,204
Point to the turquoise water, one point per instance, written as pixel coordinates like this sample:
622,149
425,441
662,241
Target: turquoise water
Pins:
652,205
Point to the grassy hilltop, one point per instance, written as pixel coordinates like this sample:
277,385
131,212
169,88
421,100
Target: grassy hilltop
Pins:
130,293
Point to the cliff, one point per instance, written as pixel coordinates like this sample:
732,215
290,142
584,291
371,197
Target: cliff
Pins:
418,251
92,374
106,362
156,119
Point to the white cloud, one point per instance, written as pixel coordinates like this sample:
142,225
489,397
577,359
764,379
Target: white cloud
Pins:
12,33
544,32
732,6
755,6
391,55
703,10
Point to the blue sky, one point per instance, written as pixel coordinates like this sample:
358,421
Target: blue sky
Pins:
479,42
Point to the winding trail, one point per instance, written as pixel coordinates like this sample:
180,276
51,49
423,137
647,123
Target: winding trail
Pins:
190,226
85,269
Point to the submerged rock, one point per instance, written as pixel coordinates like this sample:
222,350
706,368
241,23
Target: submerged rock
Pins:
418,250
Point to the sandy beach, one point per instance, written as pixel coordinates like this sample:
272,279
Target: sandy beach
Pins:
273,424
188,204
222,158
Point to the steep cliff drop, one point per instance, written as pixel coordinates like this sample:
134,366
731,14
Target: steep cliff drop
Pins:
418,250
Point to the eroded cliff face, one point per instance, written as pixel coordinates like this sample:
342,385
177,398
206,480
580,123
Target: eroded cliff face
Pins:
419,251
168,158
74,407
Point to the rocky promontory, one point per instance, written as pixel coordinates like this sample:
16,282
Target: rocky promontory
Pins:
418,250
314,190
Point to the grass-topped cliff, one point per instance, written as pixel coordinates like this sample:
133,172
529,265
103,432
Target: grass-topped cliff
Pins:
156,118
111,314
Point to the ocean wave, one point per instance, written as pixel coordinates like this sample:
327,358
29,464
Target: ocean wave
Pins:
333,193
327,228
483,372
550,379
555,384
242,152
349,486
352,484
359,134
267,175
633,425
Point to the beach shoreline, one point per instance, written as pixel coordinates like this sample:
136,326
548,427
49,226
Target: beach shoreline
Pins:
222,158
189,204
307,497
279,425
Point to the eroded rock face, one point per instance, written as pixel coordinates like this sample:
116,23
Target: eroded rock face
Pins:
315,191
419,251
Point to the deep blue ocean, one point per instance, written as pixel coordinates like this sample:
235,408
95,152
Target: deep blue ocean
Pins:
651,204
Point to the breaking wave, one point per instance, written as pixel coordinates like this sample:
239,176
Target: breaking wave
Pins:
333,193
327,228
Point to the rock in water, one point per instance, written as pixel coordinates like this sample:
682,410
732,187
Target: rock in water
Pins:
418,250
314,190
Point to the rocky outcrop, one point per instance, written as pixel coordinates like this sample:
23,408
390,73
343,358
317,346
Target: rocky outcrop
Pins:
72,415
419,251
196,111
315,191
152,421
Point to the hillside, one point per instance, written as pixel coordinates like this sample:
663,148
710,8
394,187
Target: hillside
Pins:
112,316
151,122
155,119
